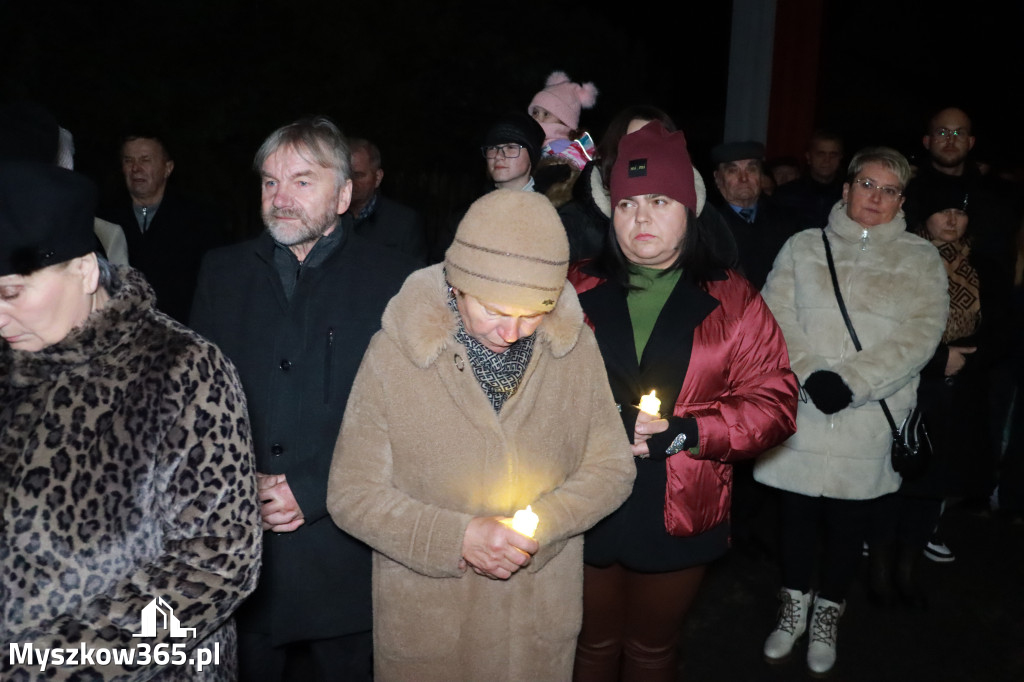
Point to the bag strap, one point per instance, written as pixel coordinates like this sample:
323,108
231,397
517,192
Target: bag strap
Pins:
849,322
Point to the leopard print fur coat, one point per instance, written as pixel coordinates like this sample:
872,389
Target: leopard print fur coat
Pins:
126,476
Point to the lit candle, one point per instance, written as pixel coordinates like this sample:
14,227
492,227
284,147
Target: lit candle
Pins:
525,522
650,404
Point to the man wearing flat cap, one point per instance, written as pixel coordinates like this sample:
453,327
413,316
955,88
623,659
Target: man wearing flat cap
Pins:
759,226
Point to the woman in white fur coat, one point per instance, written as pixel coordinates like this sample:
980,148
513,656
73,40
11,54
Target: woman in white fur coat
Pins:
894,287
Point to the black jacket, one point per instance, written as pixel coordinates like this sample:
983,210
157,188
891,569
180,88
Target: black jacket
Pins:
957,408
811,200
397,226
759,242
297,361
587,216
169,252
995,216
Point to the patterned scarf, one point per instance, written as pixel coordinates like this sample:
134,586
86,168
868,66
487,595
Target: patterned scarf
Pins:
498,374
964,302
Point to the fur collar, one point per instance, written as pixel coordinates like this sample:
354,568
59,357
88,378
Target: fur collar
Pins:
849,230
602,199
419,321
103,331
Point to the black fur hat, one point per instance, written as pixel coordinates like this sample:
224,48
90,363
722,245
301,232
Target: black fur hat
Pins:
46,216
518,128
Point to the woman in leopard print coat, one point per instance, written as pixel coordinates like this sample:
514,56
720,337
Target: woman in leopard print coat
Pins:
126,474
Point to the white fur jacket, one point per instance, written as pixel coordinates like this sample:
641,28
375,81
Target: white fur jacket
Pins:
895,289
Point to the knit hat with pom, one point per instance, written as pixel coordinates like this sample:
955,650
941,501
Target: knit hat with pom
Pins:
564,99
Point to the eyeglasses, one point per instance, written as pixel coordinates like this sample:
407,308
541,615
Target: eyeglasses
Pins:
888,193
508,151
946,132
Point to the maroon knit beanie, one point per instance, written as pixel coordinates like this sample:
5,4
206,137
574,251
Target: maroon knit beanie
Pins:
654,161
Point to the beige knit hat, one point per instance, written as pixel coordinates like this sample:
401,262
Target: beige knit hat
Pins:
510,249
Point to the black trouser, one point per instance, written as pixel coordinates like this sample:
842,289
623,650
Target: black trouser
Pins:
813,526
899,519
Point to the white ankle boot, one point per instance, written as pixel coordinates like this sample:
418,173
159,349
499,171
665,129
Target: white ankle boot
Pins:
790,626
821,651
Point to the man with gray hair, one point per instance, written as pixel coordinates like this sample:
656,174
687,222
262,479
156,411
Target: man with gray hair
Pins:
294,309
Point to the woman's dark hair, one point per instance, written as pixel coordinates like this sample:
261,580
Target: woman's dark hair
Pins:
608,147
708,247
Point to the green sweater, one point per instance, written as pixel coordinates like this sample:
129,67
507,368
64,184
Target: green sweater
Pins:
645,303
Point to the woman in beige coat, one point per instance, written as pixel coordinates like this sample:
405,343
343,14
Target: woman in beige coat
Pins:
483,393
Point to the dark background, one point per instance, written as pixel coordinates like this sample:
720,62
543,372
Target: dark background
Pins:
424,79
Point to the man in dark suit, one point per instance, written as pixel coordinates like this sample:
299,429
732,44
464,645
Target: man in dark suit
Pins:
759,226
166,231
377,217
294,309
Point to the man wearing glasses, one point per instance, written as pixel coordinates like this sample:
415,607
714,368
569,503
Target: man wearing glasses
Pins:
948,139
511,149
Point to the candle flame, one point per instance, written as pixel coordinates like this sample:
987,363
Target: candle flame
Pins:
650,403
525,522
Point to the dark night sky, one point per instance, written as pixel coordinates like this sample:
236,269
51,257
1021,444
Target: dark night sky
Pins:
424,78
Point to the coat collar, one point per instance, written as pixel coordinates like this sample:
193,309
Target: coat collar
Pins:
264,244
602,199
102,332
684,310
419,321
849,230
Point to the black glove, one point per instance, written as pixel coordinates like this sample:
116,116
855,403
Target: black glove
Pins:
659,443
828,391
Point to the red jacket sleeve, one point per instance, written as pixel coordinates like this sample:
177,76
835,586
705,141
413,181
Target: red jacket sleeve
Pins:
757,409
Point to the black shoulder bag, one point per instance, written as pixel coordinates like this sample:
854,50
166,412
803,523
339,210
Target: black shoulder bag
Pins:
911,446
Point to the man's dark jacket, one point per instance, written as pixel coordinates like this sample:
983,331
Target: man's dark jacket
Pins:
169,252
809,199
759,242
297,361
397,226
